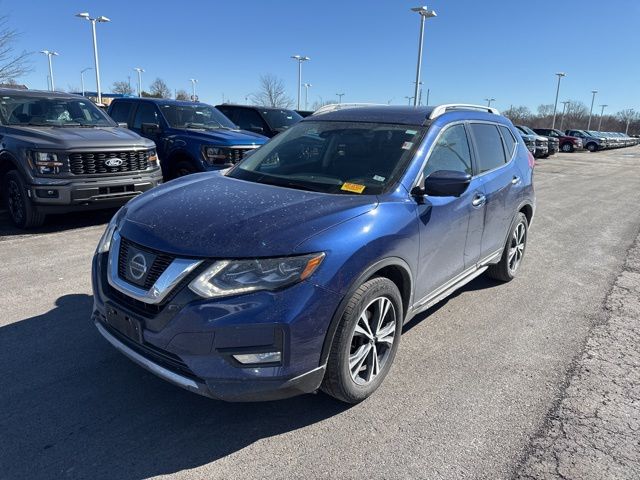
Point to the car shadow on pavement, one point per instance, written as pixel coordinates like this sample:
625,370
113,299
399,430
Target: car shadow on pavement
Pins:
57,223
74,407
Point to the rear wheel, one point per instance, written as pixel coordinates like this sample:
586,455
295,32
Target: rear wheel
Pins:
22,212
365,342
592,147
183,168
506,269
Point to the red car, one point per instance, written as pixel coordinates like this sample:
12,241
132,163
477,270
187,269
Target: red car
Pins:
567,143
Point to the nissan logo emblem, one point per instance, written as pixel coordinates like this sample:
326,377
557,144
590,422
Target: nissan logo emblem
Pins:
113,162
138,266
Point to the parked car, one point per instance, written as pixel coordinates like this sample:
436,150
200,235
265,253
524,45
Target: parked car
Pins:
296,269
542,143
263,120
59,153
191,136
591,142
567,143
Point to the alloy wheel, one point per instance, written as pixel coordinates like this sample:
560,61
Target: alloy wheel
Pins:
372,340
516,246
15,201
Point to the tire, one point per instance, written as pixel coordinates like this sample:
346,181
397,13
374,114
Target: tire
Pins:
21,211
363,345
183,168
507,268
567,148
592,147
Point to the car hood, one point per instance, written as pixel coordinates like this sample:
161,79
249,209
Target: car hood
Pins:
64,138
542,139
210,215
222,136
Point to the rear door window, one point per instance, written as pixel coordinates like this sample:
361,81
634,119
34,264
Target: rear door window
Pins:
249,119
489,147
120,111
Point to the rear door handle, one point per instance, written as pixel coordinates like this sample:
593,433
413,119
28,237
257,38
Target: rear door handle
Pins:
479,200
515,180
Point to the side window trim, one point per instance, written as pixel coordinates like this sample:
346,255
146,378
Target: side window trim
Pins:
501,129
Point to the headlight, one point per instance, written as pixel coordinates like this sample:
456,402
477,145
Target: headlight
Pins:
215,155
105,241
233,277
45,163
152,159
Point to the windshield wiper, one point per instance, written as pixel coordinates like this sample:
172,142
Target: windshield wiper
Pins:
281,182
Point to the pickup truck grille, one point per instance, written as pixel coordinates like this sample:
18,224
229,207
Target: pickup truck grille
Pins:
95,163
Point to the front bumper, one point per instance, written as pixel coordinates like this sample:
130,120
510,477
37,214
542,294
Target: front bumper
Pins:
541,151
61,195
190,342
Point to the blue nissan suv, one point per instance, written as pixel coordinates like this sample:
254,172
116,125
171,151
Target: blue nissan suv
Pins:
295,270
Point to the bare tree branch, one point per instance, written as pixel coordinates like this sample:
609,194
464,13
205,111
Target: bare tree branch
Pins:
122,87
271,93
12,65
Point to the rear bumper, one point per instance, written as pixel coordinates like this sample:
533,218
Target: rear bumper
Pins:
66,195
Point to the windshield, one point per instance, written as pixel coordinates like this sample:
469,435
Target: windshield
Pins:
280,119
197,115
527,130
51,112
333,157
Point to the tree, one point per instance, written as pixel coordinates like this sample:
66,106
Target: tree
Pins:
159,89
271,93
545,110
122,87
518,115
12,64
182,95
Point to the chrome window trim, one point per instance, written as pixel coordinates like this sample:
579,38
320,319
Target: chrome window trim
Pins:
170,278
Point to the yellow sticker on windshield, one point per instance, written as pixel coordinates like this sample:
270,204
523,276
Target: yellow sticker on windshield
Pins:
352,187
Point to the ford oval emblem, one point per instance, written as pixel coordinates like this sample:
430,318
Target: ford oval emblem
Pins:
113,162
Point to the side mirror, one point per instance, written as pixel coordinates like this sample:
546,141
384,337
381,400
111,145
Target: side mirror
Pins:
255,129
123,125
444,183
150,128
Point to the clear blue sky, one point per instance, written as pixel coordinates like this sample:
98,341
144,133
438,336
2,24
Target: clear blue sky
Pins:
508,49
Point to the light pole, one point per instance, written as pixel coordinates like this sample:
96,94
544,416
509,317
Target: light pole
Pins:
306,94
428,93
489,100
193,88
100,19
340,95
424,14
82,78
409,99
601,115
593,99
300,59
49,54
140,71
555,106
564,110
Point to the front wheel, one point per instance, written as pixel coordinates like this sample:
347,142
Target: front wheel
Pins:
592,147
505,270
22,212
567,148
365,342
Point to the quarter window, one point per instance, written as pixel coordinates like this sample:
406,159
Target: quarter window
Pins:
509,141
489,146
451,152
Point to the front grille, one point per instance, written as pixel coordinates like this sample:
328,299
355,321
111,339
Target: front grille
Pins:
161,357
94,163
539,143
159,265
236,154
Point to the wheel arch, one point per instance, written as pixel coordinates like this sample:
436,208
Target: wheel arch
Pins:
7,163
393,268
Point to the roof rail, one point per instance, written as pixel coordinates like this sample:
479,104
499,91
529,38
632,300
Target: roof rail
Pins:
442,109
340,106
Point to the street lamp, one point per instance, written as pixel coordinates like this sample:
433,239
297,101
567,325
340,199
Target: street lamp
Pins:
601,115
555,106
306,94
340,95
564,110
299,59
82,78
489,100
409,99
140,71
49,54
193,88
424,14
593,99
100,19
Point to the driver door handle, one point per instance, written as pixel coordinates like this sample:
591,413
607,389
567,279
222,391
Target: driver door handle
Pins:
479,200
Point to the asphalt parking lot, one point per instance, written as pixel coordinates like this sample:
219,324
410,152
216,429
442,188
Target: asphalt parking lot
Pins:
469,396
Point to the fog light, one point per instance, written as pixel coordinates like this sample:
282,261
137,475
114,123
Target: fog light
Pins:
251,358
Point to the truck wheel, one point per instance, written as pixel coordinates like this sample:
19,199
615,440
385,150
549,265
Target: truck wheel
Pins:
365,342
505,270
183,168
22,212
592,147
567,147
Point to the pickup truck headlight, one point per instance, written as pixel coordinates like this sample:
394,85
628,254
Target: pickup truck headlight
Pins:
105,241
45,163
152,159
215,155
233,277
